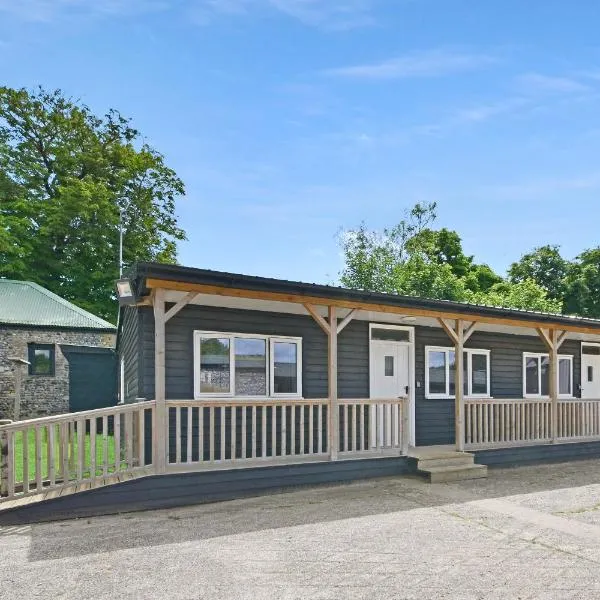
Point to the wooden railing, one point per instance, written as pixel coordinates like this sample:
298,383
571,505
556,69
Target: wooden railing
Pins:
48,453
217,433
507,422
373,427
493,423
578,419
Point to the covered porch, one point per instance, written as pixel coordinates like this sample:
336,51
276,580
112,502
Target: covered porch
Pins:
360,378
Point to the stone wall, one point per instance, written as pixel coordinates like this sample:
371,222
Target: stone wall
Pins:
41,395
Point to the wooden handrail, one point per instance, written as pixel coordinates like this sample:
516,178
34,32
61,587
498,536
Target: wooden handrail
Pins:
78,416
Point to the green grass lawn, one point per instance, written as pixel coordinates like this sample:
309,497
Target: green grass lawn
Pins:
73,454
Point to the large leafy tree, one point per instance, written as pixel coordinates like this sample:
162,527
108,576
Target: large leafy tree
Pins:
416,260
545,266
582,284
66,177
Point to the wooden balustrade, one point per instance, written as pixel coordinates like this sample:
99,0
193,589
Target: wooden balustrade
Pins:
224,433
54,452
492,423
369,426
578,419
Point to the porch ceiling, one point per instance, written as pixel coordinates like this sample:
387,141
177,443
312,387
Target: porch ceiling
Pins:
173,296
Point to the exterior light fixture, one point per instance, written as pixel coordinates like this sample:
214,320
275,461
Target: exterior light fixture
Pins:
125,293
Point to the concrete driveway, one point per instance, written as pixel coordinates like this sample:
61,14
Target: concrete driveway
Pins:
532,532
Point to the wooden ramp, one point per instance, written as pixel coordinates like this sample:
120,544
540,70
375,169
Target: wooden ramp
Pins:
73,488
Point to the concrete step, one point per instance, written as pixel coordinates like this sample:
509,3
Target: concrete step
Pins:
457,459
454,473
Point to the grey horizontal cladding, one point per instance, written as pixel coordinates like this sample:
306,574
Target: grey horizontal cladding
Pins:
548,453
435,418
169,491
129,351
353,348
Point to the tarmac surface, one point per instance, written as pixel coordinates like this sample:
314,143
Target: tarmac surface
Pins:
529,532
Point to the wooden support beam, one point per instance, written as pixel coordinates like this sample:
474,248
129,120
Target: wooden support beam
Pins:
318,318
553,383
346,320
545,337
459,405
332,375
189,297
160,433
448,329
469,331
511,321
561,338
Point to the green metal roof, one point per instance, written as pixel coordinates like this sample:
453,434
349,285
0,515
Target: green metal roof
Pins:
27,303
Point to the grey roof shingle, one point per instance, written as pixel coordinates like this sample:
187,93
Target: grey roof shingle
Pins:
27,303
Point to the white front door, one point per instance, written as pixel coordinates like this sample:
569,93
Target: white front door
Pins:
590,372
389,369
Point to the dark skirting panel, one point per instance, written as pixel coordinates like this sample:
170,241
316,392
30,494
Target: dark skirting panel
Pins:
169,491
548,453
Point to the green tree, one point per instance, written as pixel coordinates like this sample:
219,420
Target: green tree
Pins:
65,176
546,267
582,285
526,295
415,260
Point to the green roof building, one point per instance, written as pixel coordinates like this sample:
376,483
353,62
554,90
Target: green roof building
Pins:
54,356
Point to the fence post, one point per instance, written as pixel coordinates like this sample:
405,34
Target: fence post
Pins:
4,458
405,425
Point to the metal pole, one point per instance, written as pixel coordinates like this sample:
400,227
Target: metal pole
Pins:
120,243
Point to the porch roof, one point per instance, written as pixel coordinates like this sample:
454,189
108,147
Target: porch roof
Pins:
147,276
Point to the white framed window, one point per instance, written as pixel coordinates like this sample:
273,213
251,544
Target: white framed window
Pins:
248,365
536,375
440,370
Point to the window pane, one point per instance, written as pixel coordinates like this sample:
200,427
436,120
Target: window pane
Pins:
42,361
452,366
285,368
393,335
479,374
531,375
545,375
564,376
250,367
437,372
214,365
389,366
595,350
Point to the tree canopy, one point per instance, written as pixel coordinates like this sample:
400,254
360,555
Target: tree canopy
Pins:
66,176
414,259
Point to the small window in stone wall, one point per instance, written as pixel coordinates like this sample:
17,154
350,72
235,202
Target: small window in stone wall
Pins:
41,359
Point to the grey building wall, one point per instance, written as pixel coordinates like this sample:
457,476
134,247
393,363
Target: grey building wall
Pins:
434,418
128,350
40,395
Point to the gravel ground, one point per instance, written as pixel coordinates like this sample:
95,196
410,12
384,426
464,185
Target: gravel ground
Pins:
530,532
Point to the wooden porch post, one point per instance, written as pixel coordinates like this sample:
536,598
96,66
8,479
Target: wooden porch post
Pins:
334,414
459,335
553,384
459,402
160,434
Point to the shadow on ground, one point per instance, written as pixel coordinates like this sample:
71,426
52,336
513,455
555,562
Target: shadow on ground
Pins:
291,508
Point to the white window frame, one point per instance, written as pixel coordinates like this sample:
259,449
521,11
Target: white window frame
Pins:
469,352
271,365
269,339
539,356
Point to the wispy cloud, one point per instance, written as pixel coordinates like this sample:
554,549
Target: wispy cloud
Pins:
333,14
48,10
537,82
432,63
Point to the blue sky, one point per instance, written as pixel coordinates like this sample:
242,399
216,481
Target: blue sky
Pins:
290,120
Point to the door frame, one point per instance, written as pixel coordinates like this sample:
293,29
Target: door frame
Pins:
411,370
595,344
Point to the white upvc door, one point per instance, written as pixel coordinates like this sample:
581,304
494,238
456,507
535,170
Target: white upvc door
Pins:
389,369
590,371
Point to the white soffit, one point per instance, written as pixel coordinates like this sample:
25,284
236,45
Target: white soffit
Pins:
360,315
